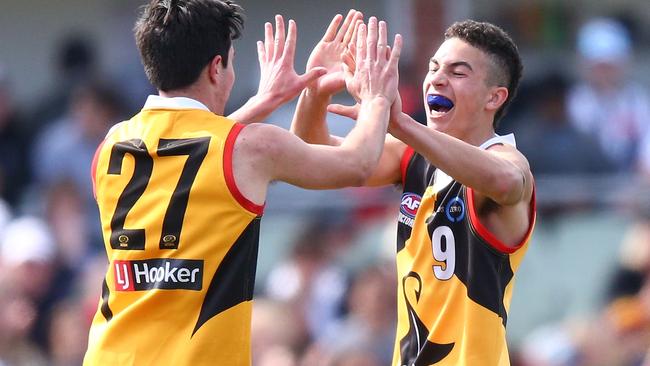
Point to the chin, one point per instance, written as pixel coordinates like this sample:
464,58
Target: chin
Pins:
439,123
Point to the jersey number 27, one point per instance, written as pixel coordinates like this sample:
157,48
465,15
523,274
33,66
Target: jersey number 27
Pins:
134,239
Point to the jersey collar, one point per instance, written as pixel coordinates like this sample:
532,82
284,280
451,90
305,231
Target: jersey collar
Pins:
158,102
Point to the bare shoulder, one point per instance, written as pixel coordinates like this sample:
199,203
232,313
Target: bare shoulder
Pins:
258,138
511,153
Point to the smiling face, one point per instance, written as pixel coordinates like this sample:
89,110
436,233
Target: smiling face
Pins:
458,96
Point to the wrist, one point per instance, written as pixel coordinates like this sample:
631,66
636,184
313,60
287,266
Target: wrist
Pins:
377,101
257,108
312,92
398,125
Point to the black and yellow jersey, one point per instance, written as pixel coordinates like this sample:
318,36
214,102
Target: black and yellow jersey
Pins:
180,238
455,278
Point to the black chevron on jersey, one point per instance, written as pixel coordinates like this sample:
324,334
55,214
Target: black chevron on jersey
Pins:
240,264
415,348
105,309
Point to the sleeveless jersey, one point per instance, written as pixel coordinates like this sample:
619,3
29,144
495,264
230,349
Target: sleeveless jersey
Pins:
455,278
181,241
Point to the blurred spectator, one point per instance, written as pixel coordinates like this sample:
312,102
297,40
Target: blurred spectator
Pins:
65,213
369,326
633,266
75,62
17,317
619,333
14,145
64,151
311,279
29,262
68,334
606,103
276,334
549,141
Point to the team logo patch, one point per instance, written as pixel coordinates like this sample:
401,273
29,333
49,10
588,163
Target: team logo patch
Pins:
455,209
158,273
409,208
410,204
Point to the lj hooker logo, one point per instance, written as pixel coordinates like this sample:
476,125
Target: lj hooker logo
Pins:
158,273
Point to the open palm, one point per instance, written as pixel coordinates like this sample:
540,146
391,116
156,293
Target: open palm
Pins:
328,51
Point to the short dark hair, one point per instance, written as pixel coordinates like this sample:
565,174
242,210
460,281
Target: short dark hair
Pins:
178,38
502,50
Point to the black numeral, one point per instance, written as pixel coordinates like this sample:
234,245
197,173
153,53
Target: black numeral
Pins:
122,238
134,239
196,149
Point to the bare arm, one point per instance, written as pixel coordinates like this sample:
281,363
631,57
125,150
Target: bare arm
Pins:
279,82
283,156
501,173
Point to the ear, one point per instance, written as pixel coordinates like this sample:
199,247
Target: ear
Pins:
215,67
496,98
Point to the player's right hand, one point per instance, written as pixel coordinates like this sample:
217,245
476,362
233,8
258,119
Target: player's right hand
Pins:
376,74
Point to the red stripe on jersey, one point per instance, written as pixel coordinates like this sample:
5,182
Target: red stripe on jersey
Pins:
93,168
488,236
230,177
404,163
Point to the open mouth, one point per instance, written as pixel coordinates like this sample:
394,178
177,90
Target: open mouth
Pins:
439,103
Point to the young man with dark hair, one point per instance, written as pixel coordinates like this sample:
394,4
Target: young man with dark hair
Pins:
181,189
468,206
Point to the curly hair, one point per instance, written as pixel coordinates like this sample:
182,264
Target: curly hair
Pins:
503,52
178,38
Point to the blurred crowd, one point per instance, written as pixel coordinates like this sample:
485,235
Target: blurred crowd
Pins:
311,308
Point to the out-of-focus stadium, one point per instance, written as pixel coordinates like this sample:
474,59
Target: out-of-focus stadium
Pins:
325,291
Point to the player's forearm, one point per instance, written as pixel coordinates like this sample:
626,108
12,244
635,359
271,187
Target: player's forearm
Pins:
309,121
366,140
256,109
495,176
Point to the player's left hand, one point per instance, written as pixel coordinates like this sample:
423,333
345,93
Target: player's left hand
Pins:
329,50
278,80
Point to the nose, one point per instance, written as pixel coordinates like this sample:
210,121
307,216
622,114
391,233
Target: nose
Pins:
438,78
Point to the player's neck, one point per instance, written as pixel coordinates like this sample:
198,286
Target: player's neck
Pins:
196,92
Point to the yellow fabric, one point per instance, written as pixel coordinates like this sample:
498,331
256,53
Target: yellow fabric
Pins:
449,315
155,326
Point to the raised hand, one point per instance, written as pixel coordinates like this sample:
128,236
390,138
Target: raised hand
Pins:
279,80
375,74
329,50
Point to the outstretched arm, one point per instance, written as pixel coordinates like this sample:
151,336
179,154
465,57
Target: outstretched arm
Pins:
279,82
501,173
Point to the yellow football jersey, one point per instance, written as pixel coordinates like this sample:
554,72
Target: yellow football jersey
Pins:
455,278
181,241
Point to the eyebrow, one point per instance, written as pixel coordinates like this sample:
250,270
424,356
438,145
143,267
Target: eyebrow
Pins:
454,64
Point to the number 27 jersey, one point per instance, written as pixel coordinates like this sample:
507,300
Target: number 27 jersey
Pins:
455,278
181,242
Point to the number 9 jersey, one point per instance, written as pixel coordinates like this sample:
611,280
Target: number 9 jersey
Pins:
181,241
455,278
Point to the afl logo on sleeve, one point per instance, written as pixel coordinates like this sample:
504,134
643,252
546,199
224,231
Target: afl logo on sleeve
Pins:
409,208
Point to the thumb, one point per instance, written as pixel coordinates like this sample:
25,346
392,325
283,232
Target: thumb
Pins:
350,111
311,75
